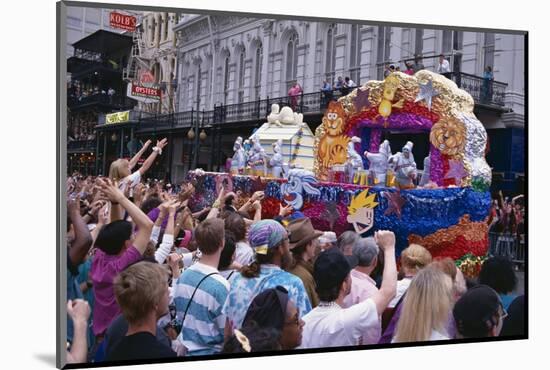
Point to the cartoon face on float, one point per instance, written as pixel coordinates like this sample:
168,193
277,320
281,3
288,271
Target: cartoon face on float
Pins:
298,181
361,212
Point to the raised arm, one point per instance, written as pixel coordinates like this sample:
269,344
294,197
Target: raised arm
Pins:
144,224
102,219
82,237
79,311
138,155
168,237
257,196
386,241
157,150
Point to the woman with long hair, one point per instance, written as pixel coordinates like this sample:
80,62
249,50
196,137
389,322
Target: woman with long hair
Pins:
426,307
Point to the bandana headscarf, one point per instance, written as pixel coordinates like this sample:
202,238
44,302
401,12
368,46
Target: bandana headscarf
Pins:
266,234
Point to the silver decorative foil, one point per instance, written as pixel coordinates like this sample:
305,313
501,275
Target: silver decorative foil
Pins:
474,151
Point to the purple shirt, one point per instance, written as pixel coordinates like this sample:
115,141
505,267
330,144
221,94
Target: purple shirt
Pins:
105,268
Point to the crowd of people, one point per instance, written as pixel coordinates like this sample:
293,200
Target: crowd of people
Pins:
81,126
149,278
507,226
79,91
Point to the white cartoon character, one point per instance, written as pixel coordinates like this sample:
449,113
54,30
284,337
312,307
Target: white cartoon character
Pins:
299,180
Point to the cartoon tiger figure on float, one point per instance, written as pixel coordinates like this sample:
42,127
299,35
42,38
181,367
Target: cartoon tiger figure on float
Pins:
333,144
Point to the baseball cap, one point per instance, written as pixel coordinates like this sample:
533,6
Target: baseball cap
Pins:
330,269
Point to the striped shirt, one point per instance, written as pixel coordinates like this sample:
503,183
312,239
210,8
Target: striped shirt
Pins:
203,329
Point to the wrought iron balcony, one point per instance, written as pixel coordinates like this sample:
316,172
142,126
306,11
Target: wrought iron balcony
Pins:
114,102
484,91
81,146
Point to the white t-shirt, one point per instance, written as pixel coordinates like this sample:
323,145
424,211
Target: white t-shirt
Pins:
444,67
402,286
131,181
334,326
244,254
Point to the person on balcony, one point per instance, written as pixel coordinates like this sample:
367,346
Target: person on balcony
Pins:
339,83
444,67
294,92
417,66
410,68
326,91
487,88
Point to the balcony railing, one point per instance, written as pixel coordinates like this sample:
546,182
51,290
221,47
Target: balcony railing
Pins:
483,92
82,145
114,101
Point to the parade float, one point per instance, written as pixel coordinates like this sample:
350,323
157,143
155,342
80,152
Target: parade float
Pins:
346,177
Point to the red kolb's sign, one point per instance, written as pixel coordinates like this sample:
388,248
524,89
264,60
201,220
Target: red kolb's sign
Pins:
145,92
125,22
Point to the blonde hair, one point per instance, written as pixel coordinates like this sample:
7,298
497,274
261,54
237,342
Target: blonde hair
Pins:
139,288
415,257
426,306
118,169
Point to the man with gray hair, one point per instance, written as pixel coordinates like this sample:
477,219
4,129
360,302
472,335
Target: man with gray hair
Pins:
346,240
364,253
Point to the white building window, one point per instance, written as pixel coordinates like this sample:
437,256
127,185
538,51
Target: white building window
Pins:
258,71
452,43
382,50
489,50
330,57
418,41
199,87
241,77
355,54
225,79
291,60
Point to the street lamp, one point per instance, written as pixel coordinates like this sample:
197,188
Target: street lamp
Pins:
190,134
114,137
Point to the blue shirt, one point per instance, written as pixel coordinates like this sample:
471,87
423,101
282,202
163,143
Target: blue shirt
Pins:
203,328
243,290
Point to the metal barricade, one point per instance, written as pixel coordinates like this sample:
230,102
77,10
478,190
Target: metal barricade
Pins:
509,246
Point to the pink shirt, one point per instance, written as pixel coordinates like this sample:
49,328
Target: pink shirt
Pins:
363,287
105,268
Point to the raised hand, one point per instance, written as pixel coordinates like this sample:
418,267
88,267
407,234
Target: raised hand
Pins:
78,310
162,143
111,191
285,211
385,239
258,195
73,205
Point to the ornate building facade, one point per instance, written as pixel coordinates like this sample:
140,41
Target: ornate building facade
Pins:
228,60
